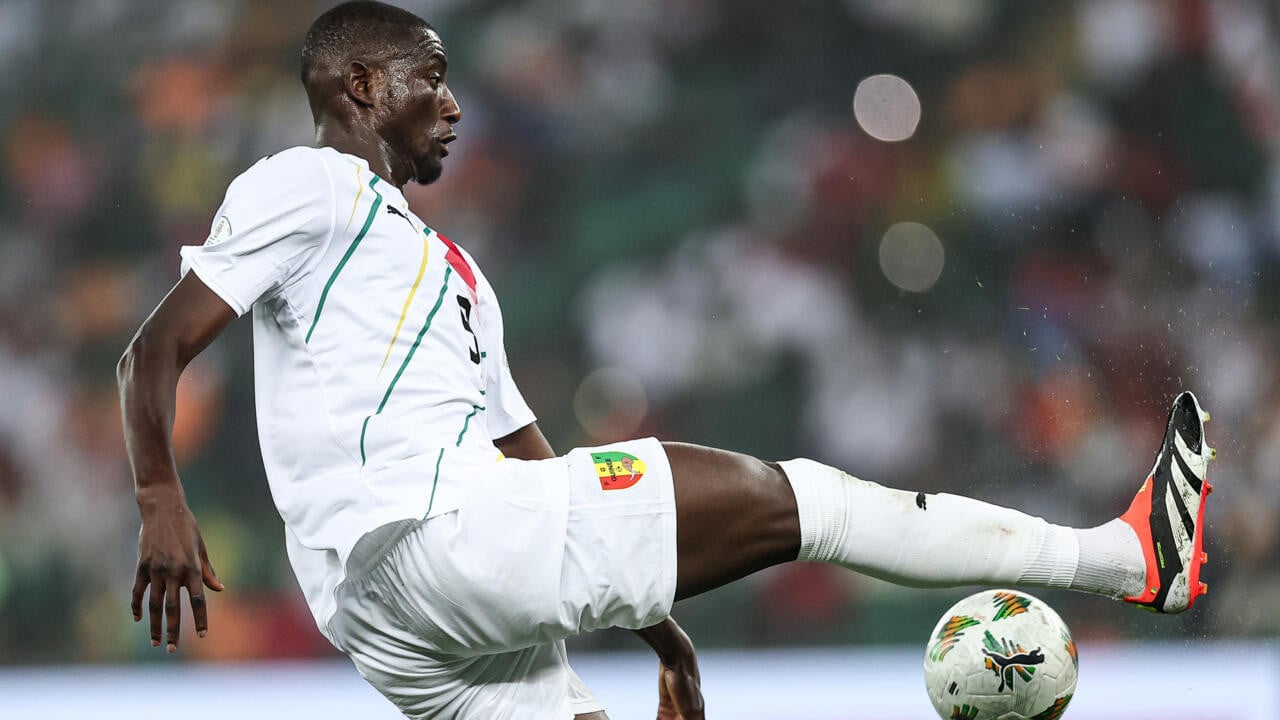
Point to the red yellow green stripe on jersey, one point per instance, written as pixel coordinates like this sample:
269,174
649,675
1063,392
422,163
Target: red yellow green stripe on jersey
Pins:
617,470
413,290
459,264
405,363
368,221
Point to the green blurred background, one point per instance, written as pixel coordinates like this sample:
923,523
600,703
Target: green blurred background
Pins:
694,235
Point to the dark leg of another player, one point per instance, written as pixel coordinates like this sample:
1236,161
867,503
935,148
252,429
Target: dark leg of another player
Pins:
734,515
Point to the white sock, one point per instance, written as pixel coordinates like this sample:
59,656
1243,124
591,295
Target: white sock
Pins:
1111,561
946,540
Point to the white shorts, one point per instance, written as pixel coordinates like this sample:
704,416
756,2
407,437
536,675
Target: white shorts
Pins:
464,615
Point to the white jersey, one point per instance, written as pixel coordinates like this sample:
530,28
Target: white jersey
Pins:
379,367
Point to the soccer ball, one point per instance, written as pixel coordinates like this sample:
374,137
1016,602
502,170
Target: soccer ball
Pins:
1000,655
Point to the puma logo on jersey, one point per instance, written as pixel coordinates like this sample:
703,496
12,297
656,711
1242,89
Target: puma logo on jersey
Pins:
393,210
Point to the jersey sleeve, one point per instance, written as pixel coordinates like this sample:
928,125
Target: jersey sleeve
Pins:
505,408
272,227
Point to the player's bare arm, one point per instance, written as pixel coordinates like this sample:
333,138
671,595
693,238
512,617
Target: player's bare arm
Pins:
679,683
171,553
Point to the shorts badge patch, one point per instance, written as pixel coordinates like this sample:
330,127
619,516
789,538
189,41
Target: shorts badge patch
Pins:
617,470
221,231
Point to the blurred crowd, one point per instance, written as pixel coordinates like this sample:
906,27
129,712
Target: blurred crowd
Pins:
691,233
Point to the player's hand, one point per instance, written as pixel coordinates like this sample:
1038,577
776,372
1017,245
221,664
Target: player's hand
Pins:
680,692
171,556
679,684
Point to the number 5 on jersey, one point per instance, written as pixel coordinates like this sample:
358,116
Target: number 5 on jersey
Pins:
464,308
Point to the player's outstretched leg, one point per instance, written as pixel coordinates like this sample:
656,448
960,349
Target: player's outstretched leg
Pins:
736,515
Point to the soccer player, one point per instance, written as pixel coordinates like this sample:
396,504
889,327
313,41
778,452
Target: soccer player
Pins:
438,539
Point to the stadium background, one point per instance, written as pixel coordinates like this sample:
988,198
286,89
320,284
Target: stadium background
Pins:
694,237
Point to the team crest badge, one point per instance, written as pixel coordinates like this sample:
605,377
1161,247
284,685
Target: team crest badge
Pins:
617,470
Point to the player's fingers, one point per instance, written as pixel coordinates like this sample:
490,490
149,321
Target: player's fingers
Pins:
140,583
199,610
173,613
207,574
155,606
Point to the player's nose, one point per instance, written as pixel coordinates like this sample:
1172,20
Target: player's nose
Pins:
451,112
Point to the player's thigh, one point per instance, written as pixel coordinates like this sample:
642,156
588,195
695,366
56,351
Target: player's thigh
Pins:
735,515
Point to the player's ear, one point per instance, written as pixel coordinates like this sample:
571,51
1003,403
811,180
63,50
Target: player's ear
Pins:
359,80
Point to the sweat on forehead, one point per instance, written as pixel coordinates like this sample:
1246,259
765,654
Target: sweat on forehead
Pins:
363,30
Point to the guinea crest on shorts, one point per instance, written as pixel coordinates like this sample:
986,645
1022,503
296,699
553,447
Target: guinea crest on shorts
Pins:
617,470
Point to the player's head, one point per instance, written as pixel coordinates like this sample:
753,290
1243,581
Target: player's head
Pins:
378,72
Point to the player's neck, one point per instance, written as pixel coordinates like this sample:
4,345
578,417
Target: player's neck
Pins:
362,143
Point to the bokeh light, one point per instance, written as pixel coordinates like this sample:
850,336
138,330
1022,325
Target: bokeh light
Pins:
886,107
911,256
610,403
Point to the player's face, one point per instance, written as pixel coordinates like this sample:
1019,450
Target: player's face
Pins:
421,110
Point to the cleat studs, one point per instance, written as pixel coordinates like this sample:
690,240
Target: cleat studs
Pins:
1208,487
1204,588
1204,415
1213,453
1204,557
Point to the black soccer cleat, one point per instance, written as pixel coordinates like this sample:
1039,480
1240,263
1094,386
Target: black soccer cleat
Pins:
1168,512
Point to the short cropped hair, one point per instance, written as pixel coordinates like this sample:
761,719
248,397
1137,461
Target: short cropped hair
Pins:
352,29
